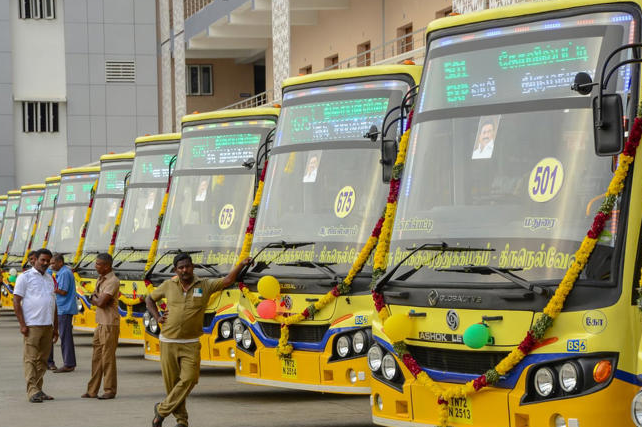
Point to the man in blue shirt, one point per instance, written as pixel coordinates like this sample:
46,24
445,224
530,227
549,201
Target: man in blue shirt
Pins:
65,289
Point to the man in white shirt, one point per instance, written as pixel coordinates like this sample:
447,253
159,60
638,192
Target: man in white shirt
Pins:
34,303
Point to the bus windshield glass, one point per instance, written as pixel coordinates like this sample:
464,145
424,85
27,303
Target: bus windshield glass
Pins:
30,200
145,195
9,221
45,215
501,153
69,216
107,200
323,183
211,191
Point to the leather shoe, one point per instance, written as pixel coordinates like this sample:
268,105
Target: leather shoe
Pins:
35,399
89,396
64,369
107,396
52,367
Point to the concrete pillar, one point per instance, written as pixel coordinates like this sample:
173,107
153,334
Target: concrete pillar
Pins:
167,111
179,63
280,43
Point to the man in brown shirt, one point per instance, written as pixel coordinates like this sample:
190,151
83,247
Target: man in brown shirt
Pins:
187,297
103,360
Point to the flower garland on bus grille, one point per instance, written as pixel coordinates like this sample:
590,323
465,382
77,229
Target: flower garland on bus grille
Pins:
25,257
550,312
249,231
284,349
83,234
46,239
161,214
119,218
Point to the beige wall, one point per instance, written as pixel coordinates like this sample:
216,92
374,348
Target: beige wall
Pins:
228,81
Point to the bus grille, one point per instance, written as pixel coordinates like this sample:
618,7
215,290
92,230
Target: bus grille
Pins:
137,308
298,333
464,362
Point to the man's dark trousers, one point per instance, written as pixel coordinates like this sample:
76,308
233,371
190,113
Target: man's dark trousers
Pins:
65,330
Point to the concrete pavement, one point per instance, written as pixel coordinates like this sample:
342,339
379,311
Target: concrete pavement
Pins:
218,400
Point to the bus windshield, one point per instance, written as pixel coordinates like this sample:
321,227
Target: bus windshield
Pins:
211,192
45,215
145,195
69,216
501,153
30,200
109,194
9,221
323,183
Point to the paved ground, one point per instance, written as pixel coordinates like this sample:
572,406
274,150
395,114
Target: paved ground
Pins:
216,401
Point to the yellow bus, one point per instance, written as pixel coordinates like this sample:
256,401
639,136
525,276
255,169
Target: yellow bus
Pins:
143,199
323,193
45,216
510,294
3,208
211,195
8,226
110,190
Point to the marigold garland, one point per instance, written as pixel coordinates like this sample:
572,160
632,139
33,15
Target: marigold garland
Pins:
83,233
119,219
25,257
161,214
550,312
46,239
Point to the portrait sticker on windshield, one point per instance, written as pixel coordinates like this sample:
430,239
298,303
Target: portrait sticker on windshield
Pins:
344,202
545,180
226,216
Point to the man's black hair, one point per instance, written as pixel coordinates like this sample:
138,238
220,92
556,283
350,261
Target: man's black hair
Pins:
43,251
180,257
105,257
32,253
58,257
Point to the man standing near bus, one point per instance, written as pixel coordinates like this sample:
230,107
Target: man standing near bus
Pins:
187,297
65,290
35,307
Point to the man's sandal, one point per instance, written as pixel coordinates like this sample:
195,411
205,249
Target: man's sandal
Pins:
158,420
180,425
44,396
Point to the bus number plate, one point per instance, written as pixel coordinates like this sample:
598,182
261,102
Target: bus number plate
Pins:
460,410
288,368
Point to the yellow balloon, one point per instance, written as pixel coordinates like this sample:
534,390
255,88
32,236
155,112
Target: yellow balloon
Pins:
397,327
269,287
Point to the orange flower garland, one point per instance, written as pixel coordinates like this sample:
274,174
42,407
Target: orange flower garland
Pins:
83,233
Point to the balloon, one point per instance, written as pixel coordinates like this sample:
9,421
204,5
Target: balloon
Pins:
13,272
269,287
397,327
477,335
267,309
12,278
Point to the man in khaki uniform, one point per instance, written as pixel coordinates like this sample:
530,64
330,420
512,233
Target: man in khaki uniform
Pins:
35,306
103,359
187,297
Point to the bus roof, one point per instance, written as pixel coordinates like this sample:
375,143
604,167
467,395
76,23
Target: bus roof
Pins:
224,114
521,9
159,137
375,70
83,169
12,193
51,179
32,187
118,156
3,197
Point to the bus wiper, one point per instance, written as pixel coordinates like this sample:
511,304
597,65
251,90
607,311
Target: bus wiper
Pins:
440,248
211,268
168,252
128,248
83,258
506,273
323,267
262,265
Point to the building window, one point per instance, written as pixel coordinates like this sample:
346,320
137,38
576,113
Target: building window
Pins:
444,12
37,9
120,71
199,80
305,70
331,62
363,54
39,116
404,34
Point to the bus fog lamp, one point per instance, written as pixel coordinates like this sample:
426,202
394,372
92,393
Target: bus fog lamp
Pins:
636,409
343,346
379,401
374,358
389,367
226,329
544,382
146,318
352,375
238,331
79,305
247,339
231,352
568,377
153,325
359,341
559,421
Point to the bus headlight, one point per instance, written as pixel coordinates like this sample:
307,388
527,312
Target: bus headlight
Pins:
359,342
79,305
568,377
153,326
146,318
226,329
374,358
343,346
238,331
636,409
544,381
247,339
389,367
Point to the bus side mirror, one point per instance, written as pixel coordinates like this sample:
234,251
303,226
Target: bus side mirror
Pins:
388,156
607,125
249,163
